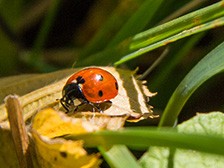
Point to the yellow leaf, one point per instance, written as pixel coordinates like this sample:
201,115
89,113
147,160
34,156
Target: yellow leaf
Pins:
60,153
52,151
51,123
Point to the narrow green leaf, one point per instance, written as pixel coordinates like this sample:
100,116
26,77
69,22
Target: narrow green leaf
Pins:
180,24
192,23
152,44
35,57
209,66
135,24
119,156
138,21
142,138
112,25
48,21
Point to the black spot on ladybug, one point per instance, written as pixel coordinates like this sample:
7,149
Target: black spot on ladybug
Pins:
100,93
116,85
55,158
63,154
80,80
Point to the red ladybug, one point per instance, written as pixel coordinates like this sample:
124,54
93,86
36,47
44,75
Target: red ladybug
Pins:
90,86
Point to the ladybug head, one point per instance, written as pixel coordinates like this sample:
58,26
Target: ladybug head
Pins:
71,92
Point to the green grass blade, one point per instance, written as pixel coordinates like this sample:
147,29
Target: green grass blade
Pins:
35,57
195,22
113,24
178,25
171,39
142,138
137,22
119,156
48,21
209,66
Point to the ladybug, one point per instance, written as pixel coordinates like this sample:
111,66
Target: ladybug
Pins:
89,86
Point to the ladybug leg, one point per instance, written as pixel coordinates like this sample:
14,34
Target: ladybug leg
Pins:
109,101
95,106
98,108
65,105
68,104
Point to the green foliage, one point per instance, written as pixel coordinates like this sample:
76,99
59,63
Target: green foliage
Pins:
202,133
206,124
209,66
164,34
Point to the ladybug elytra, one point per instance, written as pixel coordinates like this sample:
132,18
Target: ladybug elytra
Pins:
89,86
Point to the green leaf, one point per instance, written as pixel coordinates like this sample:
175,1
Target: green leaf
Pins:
165,38
112,25
137,22
130,48
209,66
119,156
35,58
209,124
142,137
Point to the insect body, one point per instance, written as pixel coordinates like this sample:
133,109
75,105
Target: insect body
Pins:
90,86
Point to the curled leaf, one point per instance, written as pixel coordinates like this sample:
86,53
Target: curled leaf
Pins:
52,153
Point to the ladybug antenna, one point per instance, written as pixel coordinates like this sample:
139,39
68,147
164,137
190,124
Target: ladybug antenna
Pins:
155,64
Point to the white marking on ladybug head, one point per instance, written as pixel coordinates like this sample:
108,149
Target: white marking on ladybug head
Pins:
80,85
74,81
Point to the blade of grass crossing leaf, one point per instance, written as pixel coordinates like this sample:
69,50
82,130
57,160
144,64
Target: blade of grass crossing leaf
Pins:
209,66
142,138
119,156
